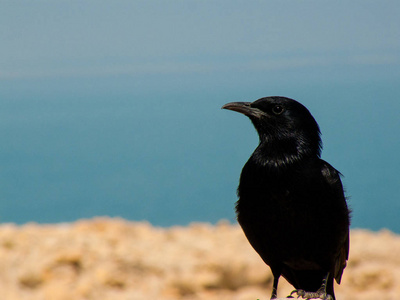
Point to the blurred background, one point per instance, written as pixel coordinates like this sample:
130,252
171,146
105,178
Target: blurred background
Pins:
113,108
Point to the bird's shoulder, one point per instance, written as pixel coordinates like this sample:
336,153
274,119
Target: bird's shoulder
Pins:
331,176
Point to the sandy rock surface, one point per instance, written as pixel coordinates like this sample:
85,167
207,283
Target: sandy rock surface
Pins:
115,259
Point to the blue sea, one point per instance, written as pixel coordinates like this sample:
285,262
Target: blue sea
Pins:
159,148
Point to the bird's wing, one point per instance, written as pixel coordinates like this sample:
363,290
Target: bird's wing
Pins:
332,177
341,261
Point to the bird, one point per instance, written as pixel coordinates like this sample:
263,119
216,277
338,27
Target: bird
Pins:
291,204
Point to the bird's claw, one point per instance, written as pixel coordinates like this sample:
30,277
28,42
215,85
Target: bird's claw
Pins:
311,295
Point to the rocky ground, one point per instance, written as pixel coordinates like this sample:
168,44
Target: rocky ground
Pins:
115,259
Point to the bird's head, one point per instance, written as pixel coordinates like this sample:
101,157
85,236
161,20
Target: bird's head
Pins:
285,127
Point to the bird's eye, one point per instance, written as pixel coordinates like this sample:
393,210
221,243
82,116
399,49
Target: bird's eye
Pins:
277,109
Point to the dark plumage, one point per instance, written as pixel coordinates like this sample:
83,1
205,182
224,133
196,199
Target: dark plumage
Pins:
291,203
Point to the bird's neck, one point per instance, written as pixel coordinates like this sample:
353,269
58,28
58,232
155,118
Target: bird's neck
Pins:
283,154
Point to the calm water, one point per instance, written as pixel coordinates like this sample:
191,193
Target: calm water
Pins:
159,148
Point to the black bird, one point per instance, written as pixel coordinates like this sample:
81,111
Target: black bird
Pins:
292,206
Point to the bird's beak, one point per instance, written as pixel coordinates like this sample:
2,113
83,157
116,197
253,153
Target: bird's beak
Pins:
243,108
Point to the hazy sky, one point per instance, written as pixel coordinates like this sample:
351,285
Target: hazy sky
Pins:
86,38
